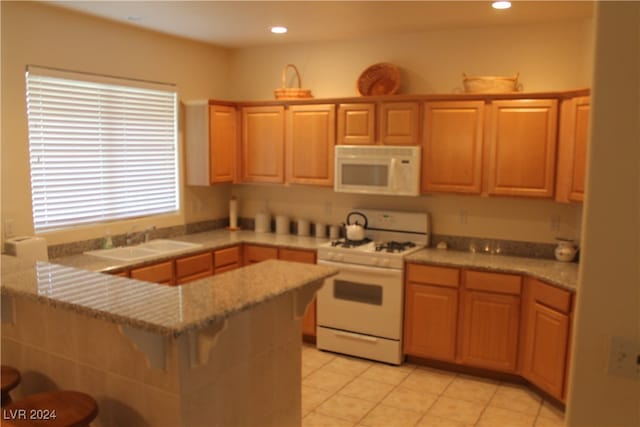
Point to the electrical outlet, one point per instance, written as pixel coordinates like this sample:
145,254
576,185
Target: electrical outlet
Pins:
463,216
624,358
9,228
328,208
554,223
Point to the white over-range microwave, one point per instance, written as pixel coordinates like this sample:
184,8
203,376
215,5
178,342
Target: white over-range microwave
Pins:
391,170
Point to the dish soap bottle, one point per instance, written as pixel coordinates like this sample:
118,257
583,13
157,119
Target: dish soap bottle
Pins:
107,242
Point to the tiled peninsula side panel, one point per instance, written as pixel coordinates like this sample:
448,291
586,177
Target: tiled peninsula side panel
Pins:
248,374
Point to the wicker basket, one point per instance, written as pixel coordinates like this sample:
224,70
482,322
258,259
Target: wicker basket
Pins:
291,93
379,79
490,84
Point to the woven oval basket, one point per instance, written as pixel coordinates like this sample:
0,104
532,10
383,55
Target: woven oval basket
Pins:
285,92
379,79
490,84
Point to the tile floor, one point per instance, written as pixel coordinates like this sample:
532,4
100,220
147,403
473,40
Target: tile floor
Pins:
344,391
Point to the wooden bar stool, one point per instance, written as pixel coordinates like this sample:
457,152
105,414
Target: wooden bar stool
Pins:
52,409
10,379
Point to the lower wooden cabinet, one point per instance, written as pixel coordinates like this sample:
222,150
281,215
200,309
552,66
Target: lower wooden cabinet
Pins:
227,259
546,337
431,319
489,330
161,272
493,321
258,253
431,312
193,267
308,257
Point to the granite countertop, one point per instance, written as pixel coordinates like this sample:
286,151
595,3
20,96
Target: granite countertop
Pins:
168,310
209,240
562,274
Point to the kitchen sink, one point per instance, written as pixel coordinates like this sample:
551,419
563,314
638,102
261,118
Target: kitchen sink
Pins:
164,245
144,251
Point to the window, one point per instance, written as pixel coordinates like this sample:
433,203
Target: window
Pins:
100,148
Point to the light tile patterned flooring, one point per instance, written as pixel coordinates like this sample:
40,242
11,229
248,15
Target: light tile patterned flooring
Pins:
342,391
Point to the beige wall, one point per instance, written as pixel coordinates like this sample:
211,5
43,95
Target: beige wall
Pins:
609,297
555,56
33,33
498,218
549,57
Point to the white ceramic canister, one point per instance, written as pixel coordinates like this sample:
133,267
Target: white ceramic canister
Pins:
321,230
303,227
262,222
566,250
334,232
282,224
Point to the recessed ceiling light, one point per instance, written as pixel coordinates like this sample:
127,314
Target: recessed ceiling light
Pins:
134,18
278,29
501,4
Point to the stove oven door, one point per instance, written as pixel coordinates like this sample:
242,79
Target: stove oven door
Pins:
363,300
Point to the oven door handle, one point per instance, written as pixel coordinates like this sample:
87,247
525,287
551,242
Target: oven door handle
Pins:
356,337
361,268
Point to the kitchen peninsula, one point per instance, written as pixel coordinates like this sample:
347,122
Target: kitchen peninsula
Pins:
224,350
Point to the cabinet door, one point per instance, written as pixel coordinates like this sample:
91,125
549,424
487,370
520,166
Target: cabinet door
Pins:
489,330
309,144
399,123
222,143
572,150
452,147
356,124
522,148
297,255
430,321
257,253
193,267
546,345
308,257
226,259
263,144
158,273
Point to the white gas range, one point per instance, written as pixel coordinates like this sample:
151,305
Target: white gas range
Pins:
360,310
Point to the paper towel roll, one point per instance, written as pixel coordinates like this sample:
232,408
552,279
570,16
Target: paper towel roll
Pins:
233,213
28,248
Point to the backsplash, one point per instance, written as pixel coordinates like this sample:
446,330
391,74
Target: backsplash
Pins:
455,243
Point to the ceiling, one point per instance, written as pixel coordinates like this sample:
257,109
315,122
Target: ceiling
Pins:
238,24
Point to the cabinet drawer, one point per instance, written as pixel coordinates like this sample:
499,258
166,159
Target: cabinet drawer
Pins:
254,253
298,255
551,296
158,273
223,257
493,282
199,265
429,274
227,267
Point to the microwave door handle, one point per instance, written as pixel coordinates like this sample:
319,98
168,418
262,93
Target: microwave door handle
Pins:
393,172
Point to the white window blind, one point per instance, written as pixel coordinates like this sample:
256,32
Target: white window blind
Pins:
100,148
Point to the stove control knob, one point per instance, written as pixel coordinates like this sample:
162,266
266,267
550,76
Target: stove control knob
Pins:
384,262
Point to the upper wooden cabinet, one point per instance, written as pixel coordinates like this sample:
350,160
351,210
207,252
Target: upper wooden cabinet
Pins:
388,123
522,148
572,149
211,143
452,146
310,139
356,124
263,144
399,123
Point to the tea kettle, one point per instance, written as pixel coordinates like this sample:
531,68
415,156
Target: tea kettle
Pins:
355,231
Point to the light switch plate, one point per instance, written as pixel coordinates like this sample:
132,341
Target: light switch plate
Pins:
624,358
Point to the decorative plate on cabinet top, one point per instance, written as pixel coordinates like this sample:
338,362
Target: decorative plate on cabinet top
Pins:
379,79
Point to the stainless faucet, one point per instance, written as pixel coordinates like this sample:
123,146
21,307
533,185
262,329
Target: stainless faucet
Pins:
137,237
